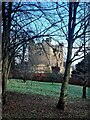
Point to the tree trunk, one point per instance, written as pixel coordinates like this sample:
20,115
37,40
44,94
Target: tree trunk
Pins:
71,28
63,94
23,53
5,44
4,78
85,81
84,89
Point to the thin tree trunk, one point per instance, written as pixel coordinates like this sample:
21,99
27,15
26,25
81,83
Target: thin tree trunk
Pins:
84,89
63,94
85,80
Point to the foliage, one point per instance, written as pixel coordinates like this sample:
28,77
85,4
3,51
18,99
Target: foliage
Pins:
82,68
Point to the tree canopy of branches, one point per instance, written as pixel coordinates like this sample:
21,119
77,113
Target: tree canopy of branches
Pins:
23,22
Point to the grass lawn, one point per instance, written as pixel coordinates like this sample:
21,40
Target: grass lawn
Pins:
39,99
44,88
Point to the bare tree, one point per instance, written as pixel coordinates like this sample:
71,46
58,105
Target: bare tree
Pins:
21,22
12,39
5,51
69,20
71,32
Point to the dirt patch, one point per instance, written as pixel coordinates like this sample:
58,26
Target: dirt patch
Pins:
38,106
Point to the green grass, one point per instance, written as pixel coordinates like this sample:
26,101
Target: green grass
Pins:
44,88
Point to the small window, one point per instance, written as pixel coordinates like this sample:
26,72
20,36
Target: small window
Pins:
59,55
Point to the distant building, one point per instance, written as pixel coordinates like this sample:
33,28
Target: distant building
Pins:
43,56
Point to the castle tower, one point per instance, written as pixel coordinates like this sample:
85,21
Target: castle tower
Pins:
43,56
